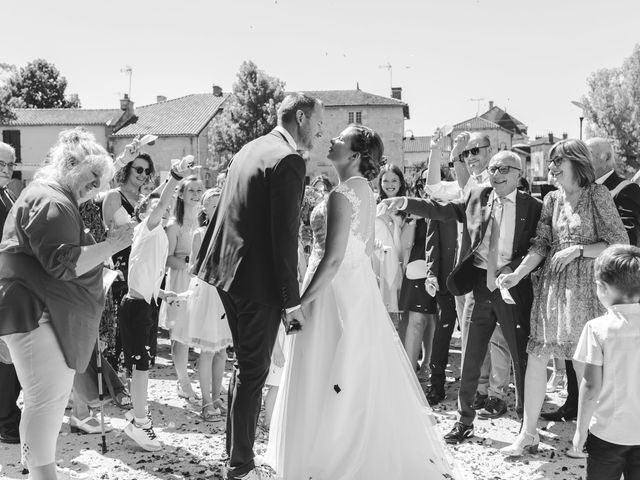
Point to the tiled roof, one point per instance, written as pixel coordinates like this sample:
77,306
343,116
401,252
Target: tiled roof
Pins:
506,121
544,140
476,123
63,116
417,144
180,116
337,98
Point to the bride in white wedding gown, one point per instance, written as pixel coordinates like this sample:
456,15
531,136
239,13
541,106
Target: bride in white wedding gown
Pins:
350,406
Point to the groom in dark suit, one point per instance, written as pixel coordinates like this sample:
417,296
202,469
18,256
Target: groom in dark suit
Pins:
498,224
250,253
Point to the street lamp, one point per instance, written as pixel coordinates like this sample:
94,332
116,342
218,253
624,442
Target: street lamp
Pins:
581,107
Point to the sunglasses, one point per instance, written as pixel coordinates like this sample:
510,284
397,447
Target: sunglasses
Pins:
139,170
557,161
472,151
503,169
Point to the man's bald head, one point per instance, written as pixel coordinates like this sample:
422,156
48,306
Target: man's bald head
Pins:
602,156
7,162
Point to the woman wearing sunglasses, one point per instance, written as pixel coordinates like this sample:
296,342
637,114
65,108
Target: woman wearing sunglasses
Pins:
126,195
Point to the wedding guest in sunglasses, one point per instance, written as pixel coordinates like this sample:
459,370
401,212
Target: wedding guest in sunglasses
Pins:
470,155
127,195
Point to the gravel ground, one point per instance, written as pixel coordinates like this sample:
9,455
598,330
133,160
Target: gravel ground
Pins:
194,449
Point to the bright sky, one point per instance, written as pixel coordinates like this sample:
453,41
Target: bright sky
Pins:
532,57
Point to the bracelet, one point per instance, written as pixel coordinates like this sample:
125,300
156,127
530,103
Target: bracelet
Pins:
175,175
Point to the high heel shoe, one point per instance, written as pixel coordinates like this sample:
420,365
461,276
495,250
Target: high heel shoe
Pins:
89,425
524,443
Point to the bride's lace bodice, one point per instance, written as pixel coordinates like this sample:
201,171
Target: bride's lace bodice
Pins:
357,192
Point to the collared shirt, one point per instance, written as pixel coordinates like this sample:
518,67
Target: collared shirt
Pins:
287,136
611,341
507,230
148,259
604,177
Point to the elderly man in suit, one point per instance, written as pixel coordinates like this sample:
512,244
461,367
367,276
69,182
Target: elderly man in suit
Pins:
498,224
250,253
9,411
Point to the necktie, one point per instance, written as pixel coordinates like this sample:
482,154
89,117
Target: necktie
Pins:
494,244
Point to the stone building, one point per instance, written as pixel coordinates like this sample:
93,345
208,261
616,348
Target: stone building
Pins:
343,107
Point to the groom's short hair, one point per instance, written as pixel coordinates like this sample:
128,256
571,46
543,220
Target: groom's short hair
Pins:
294,102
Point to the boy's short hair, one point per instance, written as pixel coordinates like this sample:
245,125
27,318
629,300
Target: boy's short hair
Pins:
142,207
619,267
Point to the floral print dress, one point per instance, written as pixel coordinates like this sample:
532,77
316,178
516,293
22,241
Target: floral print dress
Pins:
564,302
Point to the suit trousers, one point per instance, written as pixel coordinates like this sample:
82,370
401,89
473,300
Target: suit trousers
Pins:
9,393
254,328
488,312
442,339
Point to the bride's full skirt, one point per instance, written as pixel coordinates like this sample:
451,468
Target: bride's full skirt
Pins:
353,409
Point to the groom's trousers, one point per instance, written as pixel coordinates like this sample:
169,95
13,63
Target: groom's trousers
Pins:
254,328
491,312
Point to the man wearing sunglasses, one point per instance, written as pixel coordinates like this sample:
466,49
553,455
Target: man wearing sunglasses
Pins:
9,411
498,223
470,157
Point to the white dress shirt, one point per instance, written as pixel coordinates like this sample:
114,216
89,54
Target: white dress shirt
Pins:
507,231
604,177
148,259
287,136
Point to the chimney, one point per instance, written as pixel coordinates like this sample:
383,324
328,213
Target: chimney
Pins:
551,139
128,112
160,98
124,102
396,92
565,136
217,91
490,104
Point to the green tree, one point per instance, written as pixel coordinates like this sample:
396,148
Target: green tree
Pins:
39,85
612,108
6,112
250,113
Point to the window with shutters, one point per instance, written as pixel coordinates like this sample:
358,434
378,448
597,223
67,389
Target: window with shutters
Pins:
355,117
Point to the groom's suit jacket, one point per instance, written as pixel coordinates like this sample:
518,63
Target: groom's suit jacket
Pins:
474,213
250,248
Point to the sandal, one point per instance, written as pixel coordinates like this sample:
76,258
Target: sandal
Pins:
87,425
187,394
209,412
123,400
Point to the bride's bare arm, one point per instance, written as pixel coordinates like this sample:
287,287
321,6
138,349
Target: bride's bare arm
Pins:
338,224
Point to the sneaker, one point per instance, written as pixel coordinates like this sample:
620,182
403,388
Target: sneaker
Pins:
459,433
493,408
479,401
144,436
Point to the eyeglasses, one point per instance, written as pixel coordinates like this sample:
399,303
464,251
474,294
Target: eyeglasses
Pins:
557,161
4,165
503,169
139,170
473,151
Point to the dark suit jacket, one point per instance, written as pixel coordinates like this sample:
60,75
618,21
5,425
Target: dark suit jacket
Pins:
474,213
251,245
7,200
440,250
628,204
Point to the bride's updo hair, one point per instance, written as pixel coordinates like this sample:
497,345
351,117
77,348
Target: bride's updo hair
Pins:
369,145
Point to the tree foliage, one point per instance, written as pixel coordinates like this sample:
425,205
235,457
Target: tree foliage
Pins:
612,108
39,85
6,112
250,113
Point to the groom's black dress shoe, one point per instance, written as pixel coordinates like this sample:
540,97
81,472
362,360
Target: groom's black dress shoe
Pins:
561,415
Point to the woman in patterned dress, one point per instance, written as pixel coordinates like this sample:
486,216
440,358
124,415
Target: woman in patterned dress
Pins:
578,221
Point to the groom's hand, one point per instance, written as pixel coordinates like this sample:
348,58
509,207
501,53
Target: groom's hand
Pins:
293,321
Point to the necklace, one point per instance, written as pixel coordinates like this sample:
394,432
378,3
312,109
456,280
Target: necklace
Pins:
355,176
